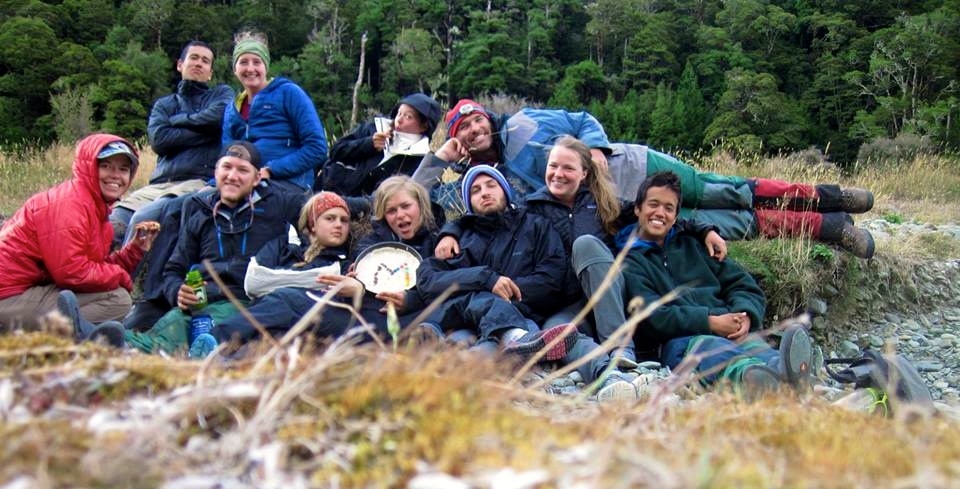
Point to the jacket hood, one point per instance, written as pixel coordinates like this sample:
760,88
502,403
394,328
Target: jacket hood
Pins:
192,86
425,105
543,195
85,169
472,174
624,234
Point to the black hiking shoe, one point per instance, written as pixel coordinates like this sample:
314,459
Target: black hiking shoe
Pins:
68,306
109,333
796,357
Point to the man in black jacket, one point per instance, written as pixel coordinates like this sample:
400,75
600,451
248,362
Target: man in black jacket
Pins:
184,130
226,226
509,275
508,272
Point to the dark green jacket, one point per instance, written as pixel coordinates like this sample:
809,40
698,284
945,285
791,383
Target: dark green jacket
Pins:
714,288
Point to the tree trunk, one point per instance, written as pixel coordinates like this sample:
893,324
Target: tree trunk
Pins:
356,86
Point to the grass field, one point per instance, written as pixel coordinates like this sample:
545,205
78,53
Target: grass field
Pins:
294,415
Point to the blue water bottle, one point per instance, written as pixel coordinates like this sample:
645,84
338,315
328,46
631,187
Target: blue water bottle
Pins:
200,323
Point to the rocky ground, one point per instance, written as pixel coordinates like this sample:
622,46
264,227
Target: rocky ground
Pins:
927,335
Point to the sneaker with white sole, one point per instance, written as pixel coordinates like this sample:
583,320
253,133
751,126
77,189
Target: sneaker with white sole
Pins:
531,343
616,388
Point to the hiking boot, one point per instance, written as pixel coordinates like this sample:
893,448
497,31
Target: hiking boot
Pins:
856,200
68,306
530,344
617,388
857,241
202,346
109,333
757,381
796,357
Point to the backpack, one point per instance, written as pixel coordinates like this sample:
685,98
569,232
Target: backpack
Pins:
892,374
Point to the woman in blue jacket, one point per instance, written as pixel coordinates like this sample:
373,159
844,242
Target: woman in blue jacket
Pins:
277,116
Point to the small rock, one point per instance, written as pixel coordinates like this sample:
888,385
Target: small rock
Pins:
817,306
910,324
563,382
848,349
875,341
829,291
650,365
928,366
941,384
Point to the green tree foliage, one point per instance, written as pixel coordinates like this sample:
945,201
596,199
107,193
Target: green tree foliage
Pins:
417,63
487,59
126,85
582,84
649,56
690,113
911,77
678,74
754,114
25,47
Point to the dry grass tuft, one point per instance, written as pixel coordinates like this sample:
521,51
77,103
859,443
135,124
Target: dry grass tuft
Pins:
347,416
25,171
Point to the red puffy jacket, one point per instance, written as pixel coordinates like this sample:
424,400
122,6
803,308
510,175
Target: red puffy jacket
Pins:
62,236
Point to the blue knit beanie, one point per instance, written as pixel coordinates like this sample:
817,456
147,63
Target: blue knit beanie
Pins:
472,175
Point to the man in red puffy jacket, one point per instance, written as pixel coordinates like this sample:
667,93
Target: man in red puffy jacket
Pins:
60,240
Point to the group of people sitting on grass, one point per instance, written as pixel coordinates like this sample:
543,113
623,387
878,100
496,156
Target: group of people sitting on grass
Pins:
508,251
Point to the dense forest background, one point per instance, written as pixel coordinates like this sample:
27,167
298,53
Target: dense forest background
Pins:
682,75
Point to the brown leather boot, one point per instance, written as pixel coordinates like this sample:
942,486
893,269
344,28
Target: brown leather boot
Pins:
857,241
856,200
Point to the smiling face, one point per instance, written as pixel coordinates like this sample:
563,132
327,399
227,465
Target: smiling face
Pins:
236,179
251,72
487,196
196,65
565,173
657,214
331,228
403,215
475,132
114,174
408,121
